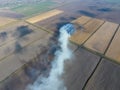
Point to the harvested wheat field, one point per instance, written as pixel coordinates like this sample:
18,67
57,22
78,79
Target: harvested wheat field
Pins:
81,35
44,16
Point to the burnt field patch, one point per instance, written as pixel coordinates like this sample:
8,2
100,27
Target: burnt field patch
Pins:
54,23
87,13
104,9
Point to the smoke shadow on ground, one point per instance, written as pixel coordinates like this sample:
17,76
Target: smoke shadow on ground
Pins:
3,35
18,47
104,9
92,7
79,27
86,13
22,31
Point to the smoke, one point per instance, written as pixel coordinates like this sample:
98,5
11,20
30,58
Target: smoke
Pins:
54,81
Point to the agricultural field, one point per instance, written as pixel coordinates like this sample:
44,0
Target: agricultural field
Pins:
44,16
30,9
29,39
5,20
14,40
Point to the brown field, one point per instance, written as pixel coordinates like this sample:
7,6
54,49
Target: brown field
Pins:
44,16
54,23
74,77
82,34
81,20
11,32
114,49
19,58
25,52
14,41
5,20
98,43
18,35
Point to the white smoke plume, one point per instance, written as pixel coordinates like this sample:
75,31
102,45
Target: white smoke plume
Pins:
54,80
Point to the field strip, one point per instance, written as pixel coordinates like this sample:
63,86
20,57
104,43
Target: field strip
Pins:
5,20
80,36
98,43
44,16
114,48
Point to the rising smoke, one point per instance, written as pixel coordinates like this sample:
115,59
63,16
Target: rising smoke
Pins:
54,80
